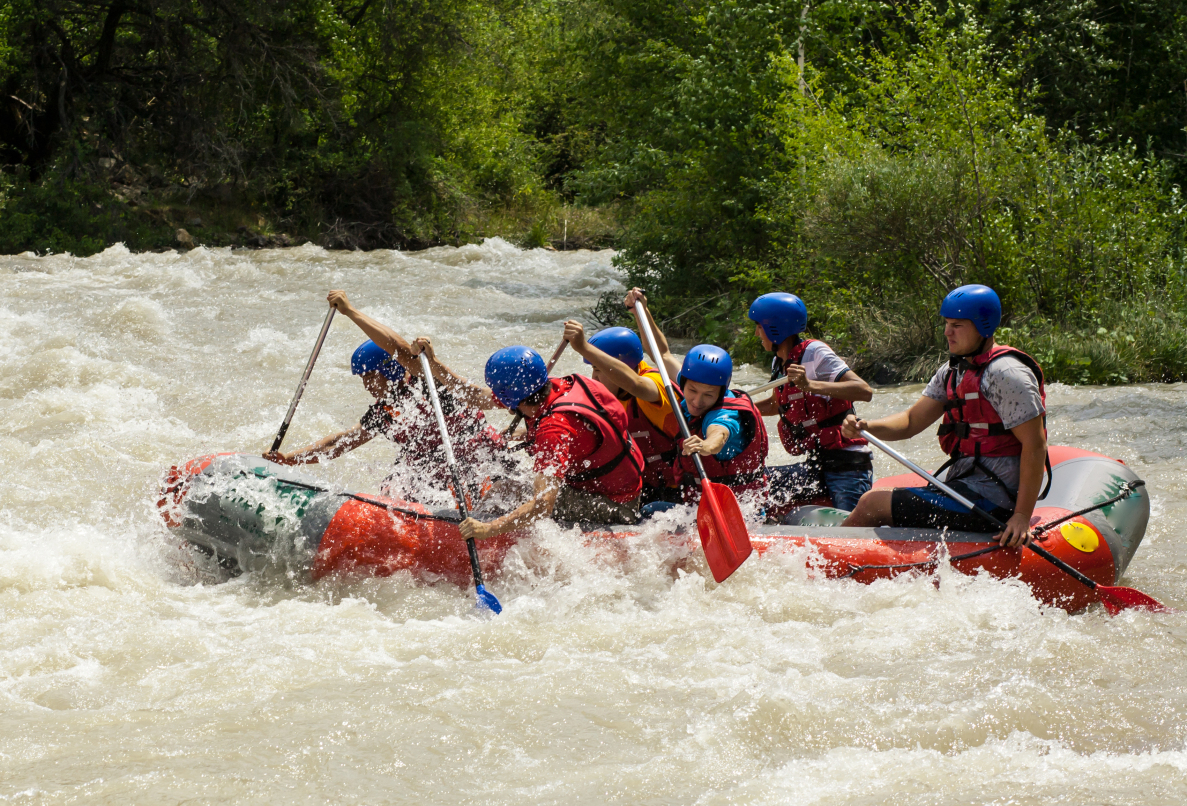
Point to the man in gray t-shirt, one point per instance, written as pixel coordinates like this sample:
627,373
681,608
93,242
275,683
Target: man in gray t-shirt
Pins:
1013,391
1009,390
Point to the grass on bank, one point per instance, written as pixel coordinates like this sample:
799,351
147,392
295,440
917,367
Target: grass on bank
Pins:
85,216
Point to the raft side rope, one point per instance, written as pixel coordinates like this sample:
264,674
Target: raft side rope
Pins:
1127,490
429,516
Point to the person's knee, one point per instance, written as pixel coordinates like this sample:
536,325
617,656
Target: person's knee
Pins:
863,505
873,508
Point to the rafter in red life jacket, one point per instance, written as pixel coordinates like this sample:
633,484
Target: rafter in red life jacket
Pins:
971,427
746,472
657,445
809,422
409,419
615,467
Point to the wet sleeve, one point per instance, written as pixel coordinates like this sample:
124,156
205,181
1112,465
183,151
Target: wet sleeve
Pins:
367,421
658,412
1013,391
935,389
821,363
732,423
553,447
378,419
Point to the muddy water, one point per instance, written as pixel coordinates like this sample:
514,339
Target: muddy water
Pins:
124,678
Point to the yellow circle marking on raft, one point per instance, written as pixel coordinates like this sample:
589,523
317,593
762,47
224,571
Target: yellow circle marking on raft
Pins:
1081,537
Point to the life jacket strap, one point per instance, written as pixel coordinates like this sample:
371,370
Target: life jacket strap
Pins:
800,430
962,429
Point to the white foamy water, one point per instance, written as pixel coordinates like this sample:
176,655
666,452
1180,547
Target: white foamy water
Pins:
123,679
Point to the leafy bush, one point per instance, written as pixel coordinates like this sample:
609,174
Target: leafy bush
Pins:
921,171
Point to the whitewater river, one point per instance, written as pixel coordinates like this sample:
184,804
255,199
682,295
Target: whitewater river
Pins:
127,676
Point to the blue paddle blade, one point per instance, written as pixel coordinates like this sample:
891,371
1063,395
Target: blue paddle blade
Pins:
488,600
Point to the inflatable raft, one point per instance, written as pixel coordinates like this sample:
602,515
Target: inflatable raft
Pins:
248,512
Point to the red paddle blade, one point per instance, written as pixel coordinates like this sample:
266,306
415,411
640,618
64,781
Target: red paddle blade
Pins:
724,535
1116,599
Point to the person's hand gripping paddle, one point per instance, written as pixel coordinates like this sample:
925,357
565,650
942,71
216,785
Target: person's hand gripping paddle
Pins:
1114,598
724,535
485,598
288,418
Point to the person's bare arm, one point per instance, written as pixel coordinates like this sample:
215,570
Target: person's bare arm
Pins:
768,406
324,449
376,331
903,425
477,396
540,505
671,363
714,440
849,387
626,378
1030,481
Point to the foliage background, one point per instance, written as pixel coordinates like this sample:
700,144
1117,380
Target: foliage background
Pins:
868,156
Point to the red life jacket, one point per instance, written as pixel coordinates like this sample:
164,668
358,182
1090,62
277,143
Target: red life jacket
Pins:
809,422
971,426
657,445
410,421
615,467
746,472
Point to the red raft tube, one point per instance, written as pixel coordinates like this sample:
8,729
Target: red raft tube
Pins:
248,513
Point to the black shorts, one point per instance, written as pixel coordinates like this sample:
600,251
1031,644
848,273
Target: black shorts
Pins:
928,508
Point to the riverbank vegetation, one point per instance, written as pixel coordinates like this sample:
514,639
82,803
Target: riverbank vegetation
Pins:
866,155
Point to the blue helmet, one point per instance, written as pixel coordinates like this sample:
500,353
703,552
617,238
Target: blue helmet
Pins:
780,315
707,363
370,357
978,303
514,374
619,342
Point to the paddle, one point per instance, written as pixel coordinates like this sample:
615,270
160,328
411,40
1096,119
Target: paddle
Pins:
1114,598
288,418
485,598
724,536
766,387
518,418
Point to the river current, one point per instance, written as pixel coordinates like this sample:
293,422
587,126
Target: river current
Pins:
127,675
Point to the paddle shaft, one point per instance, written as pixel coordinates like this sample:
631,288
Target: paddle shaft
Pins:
518,418
729,542
663,373
288,418
459,491
766,387
1035,547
